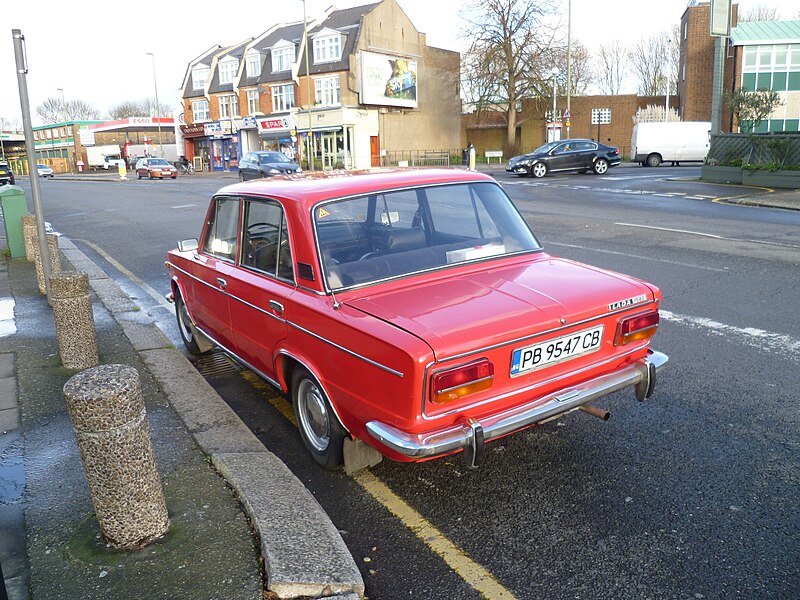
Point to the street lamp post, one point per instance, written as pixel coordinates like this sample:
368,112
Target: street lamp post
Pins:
555,73
158,106
569,63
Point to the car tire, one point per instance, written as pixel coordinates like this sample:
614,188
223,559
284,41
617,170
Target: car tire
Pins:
150,176
653,160
241,176
319,427
138,176
186,327
539,170
600,166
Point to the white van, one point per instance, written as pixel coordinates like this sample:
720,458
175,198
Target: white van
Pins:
654,143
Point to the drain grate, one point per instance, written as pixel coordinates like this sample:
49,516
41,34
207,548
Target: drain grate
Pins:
215,364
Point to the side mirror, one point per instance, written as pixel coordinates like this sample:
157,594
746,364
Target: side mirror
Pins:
188,245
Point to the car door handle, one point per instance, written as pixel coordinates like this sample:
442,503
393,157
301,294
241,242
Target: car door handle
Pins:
276,306
222,283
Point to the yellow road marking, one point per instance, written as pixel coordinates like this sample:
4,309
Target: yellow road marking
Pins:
470,571
159,298
466,568
274,398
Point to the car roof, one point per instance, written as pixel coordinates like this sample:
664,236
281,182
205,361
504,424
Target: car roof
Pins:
311,187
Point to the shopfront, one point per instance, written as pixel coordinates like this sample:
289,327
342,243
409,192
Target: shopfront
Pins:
278,134
223,146
340,138
196,145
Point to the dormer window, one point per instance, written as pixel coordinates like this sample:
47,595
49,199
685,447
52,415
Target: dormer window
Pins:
199,77
327,48
253,63
282,57
227,70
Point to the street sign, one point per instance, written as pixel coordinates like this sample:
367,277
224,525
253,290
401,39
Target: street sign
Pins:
567,114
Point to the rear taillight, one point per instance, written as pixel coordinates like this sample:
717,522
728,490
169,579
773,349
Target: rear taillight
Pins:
462,381
636,328
615,151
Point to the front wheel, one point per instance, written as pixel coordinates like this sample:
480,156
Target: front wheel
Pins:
185,326
653,160
539,170
600,166
320,429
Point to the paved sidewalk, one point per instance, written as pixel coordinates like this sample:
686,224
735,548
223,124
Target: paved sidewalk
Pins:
227,535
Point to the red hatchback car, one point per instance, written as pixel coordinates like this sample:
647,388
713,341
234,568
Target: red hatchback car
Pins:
408,312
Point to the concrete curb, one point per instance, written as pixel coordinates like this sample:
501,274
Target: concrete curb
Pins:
304,554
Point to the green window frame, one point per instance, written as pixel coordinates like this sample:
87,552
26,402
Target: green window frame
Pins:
779,81
793,83
764,81
776,125
791,125
749,82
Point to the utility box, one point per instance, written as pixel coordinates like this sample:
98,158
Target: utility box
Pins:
12,200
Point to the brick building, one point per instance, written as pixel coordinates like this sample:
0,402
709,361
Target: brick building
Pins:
760,55
488,131
373,87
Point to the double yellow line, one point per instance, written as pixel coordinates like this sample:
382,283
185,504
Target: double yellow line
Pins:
471,572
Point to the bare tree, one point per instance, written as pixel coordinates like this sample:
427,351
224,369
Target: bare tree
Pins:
53,110
10,124
762,12
510,54
610,68
582,74
649,61
139,108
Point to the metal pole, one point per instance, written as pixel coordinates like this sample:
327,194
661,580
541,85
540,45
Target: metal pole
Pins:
158,106
309,139
716,90
666,92
569,63
22,70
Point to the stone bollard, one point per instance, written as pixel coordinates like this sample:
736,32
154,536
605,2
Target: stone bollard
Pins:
107,410
29,235
55,260
72,311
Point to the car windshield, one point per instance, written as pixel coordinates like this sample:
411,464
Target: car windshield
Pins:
272,157
158,162
380,236
546,148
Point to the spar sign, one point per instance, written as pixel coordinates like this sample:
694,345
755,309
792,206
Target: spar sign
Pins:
274,124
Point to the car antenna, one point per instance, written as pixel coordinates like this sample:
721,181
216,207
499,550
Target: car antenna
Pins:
336,304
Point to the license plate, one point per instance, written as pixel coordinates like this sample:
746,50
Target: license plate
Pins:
556,350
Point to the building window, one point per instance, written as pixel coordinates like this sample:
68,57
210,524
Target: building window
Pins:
200,111
227,71
227,106
328,48
199,77
683,72
252,102
36,135
686,30
282,97
327,91
282,58
601,116
253,63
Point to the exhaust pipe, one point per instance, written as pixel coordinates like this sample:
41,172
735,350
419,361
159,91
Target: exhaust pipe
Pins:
596,412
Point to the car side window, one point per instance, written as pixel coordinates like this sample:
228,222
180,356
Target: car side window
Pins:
265,243
222,229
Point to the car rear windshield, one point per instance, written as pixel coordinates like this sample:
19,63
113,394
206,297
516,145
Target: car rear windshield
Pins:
390,234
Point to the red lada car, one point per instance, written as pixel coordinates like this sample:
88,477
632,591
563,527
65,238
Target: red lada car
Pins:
408,312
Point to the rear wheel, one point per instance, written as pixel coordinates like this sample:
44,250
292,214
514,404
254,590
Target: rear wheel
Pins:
185,326
653,160
539,170
600,166
320,429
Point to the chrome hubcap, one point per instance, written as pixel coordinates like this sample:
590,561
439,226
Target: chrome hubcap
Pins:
601,167
186,328
314,418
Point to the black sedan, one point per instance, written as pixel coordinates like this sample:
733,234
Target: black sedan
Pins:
565,155
6,174
255,165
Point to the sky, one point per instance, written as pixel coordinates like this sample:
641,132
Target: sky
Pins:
95,50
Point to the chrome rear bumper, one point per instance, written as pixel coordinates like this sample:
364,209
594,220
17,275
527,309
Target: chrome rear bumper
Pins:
470,435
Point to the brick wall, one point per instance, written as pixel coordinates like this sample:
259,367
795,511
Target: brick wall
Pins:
695,87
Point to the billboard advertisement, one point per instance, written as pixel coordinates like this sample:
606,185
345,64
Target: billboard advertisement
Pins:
388,80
